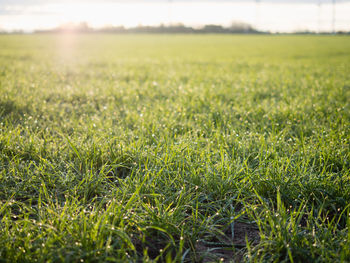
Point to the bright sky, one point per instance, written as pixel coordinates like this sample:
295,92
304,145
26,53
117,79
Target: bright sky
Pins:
273,15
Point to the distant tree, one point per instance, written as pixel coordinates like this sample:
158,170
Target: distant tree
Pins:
241,27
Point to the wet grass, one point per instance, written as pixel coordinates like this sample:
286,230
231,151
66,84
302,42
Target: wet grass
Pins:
174,148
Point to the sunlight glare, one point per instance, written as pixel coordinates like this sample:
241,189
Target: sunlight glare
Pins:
275,17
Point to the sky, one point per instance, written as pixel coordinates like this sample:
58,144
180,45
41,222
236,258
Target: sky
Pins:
268,15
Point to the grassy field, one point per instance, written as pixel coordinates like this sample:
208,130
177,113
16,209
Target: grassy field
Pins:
138,148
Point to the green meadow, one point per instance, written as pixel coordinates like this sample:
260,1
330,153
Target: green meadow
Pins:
174,148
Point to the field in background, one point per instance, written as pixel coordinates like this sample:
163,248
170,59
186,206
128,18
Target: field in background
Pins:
185,148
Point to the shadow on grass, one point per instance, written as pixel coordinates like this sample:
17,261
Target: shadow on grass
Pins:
10,110
231,245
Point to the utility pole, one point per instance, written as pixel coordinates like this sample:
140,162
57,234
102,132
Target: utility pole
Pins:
257,14
333,16
319,16
170,12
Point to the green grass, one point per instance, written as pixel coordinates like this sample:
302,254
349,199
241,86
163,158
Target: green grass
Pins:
174,148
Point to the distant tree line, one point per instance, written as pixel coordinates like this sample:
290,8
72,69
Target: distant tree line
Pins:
235,28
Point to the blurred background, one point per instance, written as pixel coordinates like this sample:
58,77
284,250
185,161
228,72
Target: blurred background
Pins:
316,16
